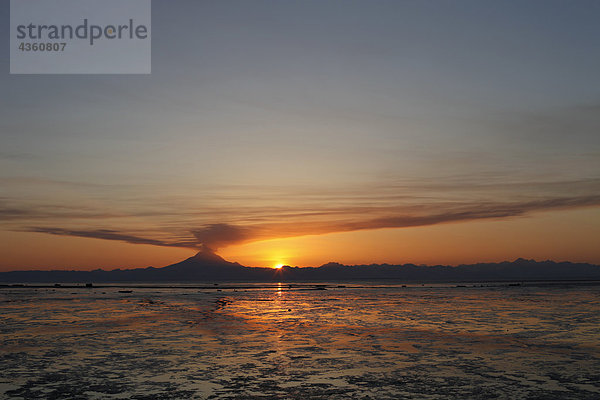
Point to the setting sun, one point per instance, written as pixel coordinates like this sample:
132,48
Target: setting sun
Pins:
278,266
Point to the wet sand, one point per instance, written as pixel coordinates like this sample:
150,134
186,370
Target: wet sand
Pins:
252,342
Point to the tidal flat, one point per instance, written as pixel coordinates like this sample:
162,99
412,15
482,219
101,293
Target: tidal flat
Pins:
279,341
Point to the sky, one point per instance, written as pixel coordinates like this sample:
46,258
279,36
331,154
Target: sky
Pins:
303,132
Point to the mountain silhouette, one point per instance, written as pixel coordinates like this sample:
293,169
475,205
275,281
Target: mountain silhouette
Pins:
206,266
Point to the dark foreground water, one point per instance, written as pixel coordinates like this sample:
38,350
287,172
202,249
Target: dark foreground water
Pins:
370,342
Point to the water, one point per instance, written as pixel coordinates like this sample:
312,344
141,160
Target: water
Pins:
361,341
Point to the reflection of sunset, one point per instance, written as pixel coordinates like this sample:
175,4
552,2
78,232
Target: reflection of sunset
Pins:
281,338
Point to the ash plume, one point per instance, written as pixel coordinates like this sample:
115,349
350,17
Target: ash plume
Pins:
214,236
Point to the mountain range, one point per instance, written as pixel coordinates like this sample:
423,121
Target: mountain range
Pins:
207,266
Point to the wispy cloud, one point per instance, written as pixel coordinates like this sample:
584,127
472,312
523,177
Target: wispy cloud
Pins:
217,235
107,234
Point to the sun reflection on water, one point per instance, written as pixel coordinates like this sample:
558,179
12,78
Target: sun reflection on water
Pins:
298,342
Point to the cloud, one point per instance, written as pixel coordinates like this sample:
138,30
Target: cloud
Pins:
211,237
387,217
15,156
108,234
473,212
9,213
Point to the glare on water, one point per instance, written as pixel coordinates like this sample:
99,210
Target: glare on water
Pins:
301,341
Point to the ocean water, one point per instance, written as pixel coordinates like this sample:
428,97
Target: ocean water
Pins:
273,341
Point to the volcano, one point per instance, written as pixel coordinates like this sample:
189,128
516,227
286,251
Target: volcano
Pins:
205,265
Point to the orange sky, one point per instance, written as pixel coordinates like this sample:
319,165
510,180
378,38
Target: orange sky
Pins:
561,235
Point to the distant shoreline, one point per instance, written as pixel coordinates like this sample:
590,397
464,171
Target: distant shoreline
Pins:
316,285
206,268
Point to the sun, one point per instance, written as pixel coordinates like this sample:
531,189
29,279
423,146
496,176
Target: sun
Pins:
278,266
